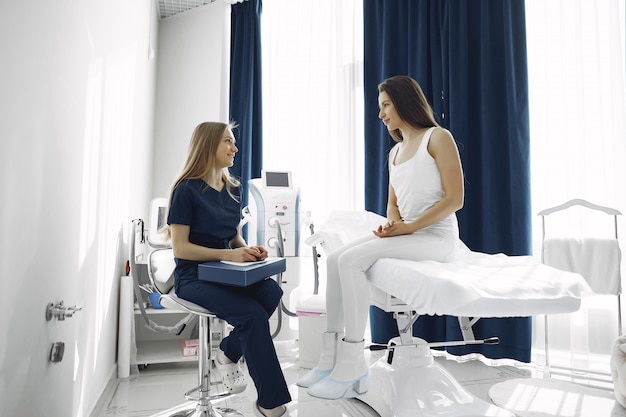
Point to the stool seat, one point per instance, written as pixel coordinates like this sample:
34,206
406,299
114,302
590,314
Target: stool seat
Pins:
174,302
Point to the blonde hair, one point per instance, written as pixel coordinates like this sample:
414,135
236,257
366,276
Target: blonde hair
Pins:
205,139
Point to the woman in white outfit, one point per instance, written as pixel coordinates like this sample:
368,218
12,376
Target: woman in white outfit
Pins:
425,191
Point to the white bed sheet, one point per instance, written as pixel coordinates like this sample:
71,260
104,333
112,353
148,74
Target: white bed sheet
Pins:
480,285
475,285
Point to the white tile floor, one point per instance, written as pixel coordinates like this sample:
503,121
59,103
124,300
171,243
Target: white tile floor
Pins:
160,387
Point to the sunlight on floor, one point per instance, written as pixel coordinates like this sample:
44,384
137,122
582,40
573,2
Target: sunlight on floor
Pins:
160,387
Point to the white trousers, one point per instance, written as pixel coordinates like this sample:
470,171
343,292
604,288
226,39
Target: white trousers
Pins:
347,287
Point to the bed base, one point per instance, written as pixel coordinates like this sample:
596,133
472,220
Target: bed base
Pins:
407,382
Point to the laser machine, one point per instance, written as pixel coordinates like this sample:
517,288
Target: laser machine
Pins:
274,207
273,218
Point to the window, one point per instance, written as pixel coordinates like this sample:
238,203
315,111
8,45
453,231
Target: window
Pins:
313,100
578,140
313,108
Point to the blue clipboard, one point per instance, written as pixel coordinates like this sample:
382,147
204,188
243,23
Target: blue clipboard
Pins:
240,274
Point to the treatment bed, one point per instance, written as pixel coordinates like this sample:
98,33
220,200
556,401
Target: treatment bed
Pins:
407,381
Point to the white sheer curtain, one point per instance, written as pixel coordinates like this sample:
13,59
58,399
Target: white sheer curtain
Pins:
313,110
313,99
578,145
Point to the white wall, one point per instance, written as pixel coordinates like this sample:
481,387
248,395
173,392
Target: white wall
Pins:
77,92
77,97
192,84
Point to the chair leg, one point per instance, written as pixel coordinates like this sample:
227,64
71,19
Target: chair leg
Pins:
547,372
204,362
203,406
404,321
619,315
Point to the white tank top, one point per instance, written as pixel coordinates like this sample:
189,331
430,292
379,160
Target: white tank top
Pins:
417,184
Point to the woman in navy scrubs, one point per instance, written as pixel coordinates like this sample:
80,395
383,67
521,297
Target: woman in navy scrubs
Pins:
203,221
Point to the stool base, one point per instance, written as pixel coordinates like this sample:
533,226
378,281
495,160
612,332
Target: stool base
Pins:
184,410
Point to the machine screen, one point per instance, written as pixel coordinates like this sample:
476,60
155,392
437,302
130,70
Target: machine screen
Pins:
277,179
162,217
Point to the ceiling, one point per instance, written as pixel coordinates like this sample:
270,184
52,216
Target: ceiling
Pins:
169,8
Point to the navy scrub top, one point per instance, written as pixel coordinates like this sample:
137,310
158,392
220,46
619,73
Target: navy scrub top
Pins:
212,217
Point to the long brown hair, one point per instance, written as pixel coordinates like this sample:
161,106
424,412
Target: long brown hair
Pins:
201,158
410,103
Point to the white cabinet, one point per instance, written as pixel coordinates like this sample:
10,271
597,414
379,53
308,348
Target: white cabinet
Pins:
154,347
138,345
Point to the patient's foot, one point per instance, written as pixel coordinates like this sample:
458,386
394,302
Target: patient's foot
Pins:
312,377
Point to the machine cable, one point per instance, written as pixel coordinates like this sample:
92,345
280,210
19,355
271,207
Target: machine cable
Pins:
149,323
276,242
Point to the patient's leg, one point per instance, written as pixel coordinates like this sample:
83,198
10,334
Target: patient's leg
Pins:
354,262
334,305
334,322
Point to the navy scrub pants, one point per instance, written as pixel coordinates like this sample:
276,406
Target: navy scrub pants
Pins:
248,310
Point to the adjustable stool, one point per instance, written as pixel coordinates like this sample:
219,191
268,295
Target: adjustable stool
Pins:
203,406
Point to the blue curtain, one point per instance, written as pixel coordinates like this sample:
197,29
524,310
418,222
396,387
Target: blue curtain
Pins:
470,59
245,91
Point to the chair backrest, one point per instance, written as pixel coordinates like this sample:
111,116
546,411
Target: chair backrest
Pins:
598,260
158,219
161,256
161,267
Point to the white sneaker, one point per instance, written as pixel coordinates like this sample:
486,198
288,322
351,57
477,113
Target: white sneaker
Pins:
233,378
